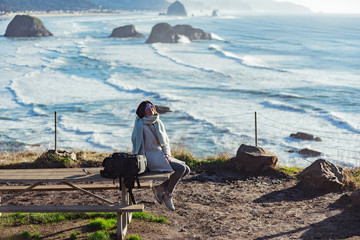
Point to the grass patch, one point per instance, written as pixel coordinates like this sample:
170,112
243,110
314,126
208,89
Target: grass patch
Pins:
26,236
133,237
17,219
101,224
148,217
352,181
74,235
292,172
99,235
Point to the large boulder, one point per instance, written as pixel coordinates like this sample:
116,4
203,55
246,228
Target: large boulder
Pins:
26,26
192,33
254,159
323,175
177,9
127,31
164,33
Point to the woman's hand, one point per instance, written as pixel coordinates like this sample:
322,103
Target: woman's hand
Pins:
168,157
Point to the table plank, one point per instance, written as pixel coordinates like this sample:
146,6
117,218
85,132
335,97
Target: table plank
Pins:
65,174
93,186
71,208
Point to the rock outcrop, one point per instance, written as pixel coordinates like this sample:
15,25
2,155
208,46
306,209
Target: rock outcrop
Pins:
191,33
26,26
304,136
164,33
309,152
254,159
177,9
323,175
127,31
55,159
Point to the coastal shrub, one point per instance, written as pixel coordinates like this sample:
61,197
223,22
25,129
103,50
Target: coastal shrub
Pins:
181,153
352,177
52,160
217,160
292,172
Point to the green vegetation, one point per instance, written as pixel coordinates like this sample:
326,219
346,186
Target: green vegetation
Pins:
17,219
148,217
27,235
101,224
99,235
74,235
179,152
49,160
133,237
352,181
290,171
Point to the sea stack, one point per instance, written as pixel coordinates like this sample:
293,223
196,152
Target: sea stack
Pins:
26,26
177,9
191,33
164,33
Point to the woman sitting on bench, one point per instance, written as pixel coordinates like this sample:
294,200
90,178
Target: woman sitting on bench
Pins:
149,138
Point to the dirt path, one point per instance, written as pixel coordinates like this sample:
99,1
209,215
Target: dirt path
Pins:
227,205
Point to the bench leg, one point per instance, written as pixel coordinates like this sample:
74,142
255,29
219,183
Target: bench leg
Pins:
121,226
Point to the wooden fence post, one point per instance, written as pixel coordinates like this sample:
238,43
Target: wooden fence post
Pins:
55,134
256,140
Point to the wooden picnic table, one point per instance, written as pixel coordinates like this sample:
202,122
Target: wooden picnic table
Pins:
71,178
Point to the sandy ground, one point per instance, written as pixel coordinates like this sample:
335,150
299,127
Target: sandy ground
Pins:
224,205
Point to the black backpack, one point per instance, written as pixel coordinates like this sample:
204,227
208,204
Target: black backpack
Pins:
124,165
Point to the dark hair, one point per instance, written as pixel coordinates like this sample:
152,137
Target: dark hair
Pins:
140,111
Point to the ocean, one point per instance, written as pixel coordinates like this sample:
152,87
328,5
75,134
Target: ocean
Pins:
298,73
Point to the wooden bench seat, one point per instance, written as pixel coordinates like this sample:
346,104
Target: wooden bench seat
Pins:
71,208
68,188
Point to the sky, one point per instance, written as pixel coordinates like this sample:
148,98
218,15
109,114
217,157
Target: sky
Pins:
329,6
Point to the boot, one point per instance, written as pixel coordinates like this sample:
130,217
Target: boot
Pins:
168,201
159,192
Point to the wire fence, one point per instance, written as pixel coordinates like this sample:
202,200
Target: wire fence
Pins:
341,145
